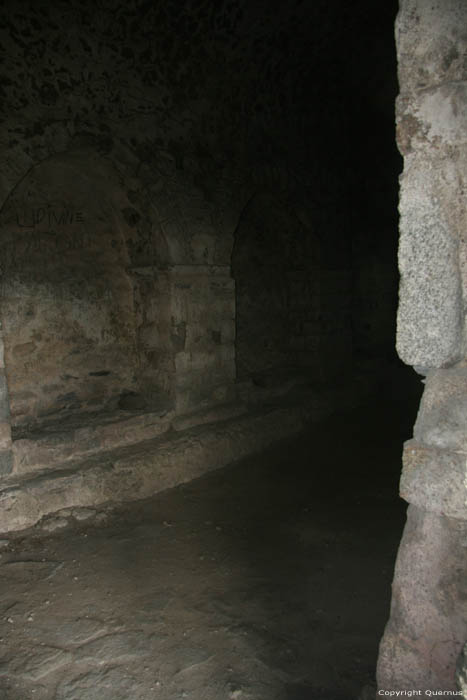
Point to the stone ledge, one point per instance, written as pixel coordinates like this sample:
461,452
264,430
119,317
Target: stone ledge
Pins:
53,445
435,480
137,471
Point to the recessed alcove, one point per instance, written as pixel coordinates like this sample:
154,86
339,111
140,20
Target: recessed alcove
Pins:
103,331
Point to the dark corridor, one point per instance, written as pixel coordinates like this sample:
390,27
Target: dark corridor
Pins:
214,285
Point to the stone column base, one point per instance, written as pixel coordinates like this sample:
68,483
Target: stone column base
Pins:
428,623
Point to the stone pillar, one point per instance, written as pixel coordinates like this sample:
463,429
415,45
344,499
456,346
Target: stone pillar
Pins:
6,456
202,335
186,323
428,620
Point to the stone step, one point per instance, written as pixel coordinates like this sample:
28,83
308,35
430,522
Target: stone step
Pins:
137,471
141,470
82,436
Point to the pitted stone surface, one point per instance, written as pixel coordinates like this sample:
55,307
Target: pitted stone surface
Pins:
109,684
430,36
119,645
441,420
53,524
435,479
432,135
435,116
63,631
428,620
18,571
430,314
40,663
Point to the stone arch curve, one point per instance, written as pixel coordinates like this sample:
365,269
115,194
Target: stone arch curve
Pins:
85,322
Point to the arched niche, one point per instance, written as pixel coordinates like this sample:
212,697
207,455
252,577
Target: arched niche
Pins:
85,322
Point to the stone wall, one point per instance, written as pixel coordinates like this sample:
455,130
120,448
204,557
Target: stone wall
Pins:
67,307
203,320
87,325
428,624
6,455
146,150
128,159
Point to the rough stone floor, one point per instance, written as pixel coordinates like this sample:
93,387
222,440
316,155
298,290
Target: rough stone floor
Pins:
267,580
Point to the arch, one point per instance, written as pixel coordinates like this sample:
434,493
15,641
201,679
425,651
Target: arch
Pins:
79,333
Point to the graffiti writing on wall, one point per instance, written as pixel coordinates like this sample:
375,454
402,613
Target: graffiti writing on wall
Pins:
42,244
48,216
